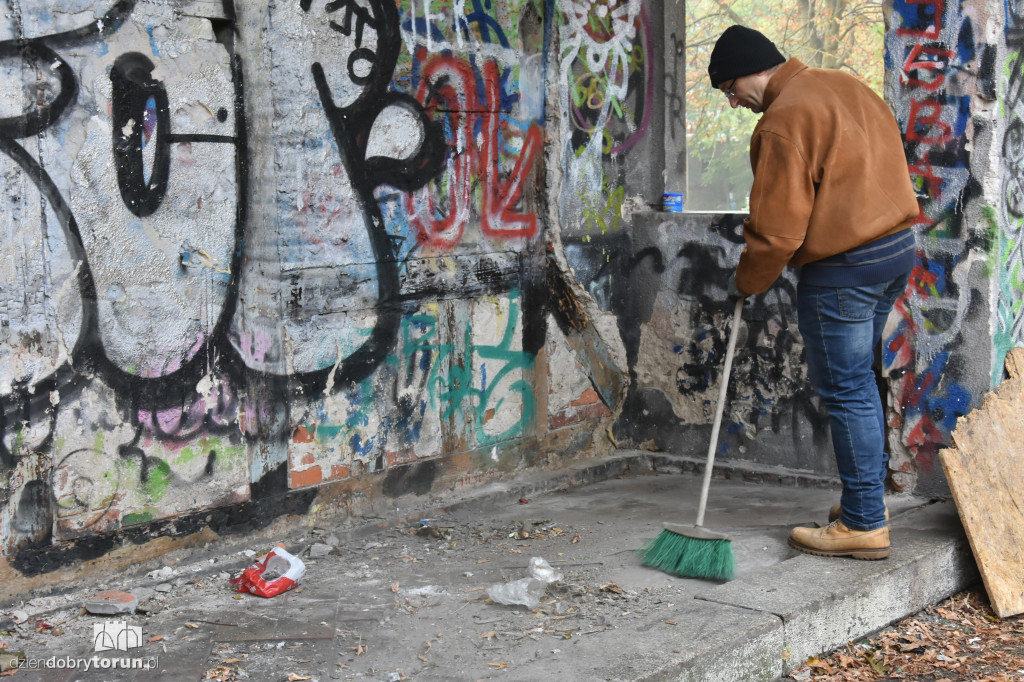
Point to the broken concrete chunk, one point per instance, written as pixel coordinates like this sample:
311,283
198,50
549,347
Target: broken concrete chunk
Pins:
10,660
161,573
163,587
111,602
319,550
143,593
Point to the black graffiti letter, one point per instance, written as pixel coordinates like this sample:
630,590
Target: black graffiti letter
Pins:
136,94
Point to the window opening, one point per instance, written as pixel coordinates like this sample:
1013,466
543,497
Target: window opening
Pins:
834,34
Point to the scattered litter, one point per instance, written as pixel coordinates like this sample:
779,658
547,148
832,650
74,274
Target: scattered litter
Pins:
111,602
523,500
526,591
248,553
278,572
19,616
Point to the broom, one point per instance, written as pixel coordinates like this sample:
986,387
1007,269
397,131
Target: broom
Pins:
694,551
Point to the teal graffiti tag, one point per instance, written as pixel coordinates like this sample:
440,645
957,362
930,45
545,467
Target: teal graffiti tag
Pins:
453,391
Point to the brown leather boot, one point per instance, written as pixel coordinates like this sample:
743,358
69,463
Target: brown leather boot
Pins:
837,509
836,539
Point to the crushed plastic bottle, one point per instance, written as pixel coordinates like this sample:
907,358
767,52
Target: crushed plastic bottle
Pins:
526,591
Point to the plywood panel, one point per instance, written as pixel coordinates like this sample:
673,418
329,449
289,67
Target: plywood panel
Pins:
985,470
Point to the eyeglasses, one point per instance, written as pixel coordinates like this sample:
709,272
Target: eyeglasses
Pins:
728,91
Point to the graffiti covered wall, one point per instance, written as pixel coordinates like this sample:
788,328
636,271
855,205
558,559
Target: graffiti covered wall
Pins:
939,350
252,252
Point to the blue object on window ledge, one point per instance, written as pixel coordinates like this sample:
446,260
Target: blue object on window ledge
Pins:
672,202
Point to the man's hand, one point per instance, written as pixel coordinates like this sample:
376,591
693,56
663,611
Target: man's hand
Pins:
733,291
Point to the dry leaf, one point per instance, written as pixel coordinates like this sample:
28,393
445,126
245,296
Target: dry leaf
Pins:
155,638
191,625
499,666
575,539
490,634
670,622
294,678
394,587
612,587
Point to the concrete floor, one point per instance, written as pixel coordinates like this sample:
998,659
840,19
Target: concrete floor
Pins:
410,601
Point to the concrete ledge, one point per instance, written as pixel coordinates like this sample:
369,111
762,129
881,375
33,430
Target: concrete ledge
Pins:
825,603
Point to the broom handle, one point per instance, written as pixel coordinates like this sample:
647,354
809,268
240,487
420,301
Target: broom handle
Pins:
729,352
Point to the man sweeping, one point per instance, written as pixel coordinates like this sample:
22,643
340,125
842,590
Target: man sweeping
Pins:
831,198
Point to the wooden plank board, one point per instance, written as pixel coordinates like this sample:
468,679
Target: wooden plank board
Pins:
985,470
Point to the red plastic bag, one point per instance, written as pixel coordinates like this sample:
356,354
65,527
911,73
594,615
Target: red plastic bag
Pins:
288,568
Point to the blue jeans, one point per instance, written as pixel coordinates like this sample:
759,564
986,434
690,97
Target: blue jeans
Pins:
842,327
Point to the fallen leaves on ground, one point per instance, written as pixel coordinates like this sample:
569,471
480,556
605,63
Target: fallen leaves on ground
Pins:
221,673
959,639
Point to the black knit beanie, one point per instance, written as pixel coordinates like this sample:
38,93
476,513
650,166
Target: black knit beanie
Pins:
741,51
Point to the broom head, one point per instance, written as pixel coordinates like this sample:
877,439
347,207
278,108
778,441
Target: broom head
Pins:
690,552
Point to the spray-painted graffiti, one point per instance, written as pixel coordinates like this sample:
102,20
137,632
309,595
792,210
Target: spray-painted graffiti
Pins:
487,96
931,46
214,273
449,85
444,369
681,329
606,86
1010,216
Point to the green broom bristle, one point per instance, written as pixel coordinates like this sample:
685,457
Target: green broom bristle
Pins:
689,557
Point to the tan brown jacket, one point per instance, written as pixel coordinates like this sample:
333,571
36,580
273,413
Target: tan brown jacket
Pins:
829,173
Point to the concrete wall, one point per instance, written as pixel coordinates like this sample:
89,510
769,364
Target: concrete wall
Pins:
270,259
303,257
